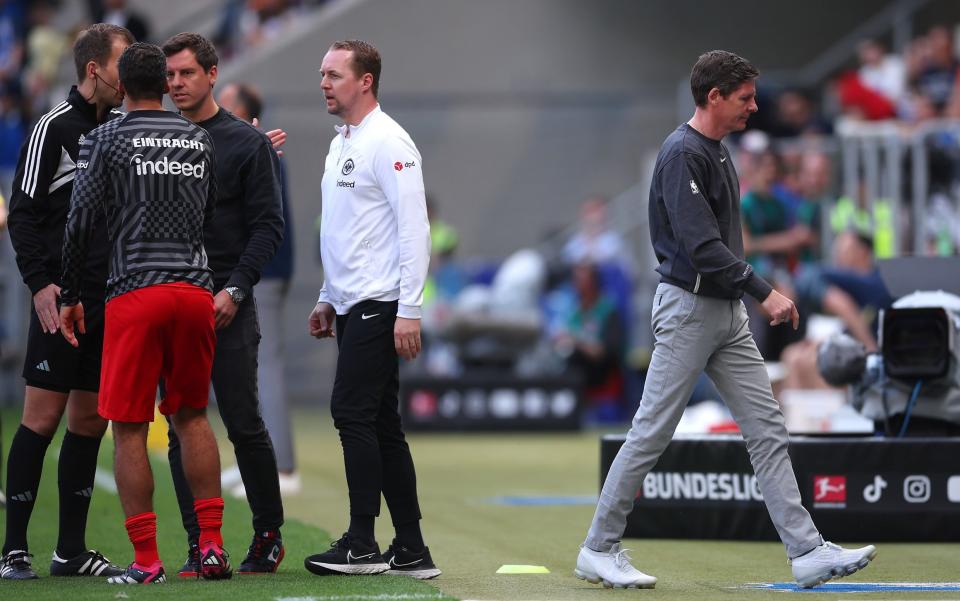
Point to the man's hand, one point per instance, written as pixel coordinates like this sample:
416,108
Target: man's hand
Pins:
321,321
68,317
278,137
45,304
224,310
802,235
406,337
781,309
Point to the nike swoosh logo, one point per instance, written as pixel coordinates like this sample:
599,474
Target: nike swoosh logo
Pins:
352,557
365,316
722,159
274,554
393,562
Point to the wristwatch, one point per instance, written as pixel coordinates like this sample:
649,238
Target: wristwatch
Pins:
236,294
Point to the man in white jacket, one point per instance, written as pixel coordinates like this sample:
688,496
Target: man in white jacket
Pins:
375,246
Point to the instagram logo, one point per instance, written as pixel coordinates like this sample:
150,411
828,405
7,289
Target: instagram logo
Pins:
916,489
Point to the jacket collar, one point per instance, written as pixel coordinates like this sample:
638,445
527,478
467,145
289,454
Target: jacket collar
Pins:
353,130
80,103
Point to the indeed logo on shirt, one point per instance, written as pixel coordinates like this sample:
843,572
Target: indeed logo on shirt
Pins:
345,184
165,166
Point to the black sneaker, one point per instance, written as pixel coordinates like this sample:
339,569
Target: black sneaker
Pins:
264,555
138,574
348,555
15,565
191,567
214,562
404,562
88,563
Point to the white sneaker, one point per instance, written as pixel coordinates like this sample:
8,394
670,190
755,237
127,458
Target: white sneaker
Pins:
830,561
230,477
289,483
612,569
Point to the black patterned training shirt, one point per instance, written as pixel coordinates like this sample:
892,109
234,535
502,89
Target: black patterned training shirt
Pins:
152,174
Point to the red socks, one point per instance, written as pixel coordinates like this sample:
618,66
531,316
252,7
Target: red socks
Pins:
210,519
142,530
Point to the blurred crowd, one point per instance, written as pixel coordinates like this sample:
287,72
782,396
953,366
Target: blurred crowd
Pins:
573,309
35,46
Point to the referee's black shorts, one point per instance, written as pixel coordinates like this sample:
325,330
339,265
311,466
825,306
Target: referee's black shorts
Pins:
53,364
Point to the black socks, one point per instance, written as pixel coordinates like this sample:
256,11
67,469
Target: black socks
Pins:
24,466
78,467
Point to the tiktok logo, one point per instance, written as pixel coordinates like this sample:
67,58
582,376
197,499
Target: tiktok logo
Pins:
872,492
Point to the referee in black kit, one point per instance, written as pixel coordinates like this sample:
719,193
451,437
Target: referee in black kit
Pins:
375,246
57,375
243,236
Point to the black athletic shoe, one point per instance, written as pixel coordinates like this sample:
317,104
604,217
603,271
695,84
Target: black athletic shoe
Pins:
138,574
191,567
264,555
88,563
347,556
214,562
15,565
404,562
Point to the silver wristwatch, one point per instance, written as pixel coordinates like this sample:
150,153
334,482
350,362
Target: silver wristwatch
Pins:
236,294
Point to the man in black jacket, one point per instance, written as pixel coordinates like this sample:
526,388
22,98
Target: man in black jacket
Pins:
246,231
700,323
58,375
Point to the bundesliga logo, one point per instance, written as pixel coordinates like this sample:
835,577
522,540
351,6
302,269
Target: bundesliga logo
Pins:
830,491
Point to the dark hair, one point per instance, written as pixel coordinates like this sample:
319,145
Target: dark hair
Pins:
200,46
95,43
250,98
863,238
143,71
366,59
722,70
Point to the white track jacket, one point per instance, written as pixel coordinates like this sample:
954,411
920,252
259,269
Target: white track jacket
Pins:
374,232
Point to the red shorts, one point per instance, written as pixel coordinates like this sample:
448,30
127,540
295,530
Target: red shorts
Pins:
164,330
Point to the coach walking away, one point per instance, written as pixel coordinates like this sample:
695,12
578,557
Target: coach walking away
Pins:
159,310
700,323
242,237
57,375
375,247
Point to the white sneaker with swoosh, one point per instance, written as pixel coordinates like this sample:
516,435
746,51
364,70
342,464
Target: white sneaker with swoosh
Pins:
829,561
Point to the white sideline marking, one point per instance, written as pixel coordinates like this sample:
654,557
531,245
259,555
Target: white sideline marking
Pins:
104,480
380,597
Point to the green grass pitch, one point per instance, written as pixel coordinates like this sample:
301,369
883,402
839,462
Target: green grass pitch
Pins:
469,537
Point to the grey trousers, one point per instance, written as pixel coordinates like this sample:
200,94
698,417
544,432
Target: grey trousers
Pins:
271,295
692,334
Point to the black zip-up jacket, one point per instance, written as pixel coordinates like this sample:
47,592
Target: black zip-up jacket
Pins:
247,226
41,198
695,219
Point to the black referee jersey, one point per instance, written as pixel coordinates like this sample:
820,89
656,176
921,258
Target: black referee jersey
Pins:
41,197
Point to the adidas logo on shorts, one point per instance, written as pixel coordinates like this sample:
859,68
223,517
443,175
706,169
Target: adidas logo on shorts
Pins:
43,366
